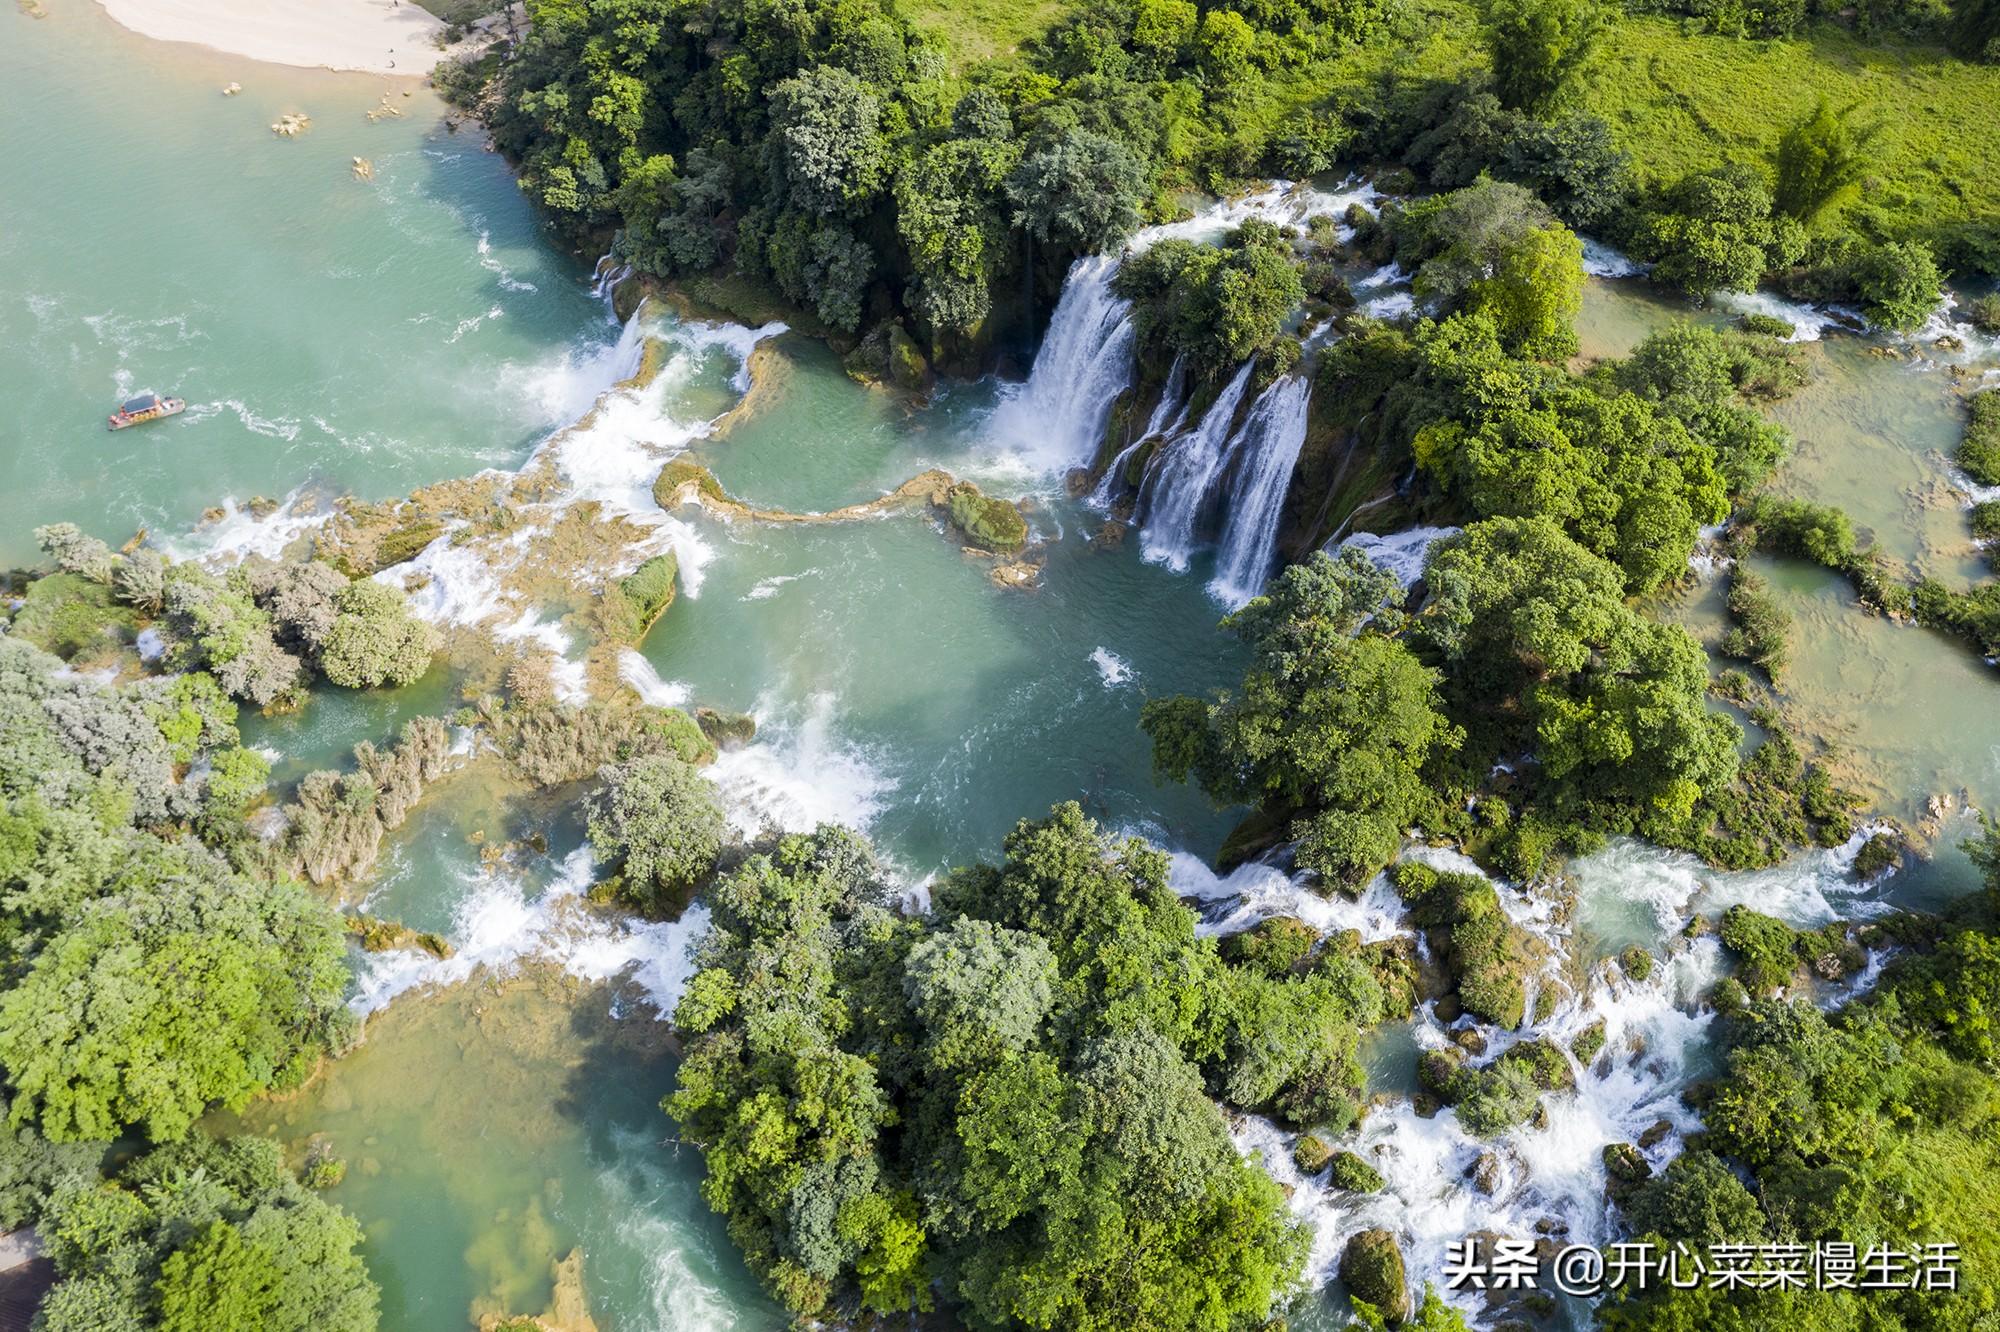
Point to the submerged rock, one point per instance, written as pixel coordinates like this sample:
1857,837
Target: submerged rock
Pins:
382,936
567,1312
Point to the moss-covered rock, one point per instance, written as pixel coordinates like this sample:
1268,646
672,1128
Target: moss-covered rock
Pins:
680,472
992,524
906,364
1371,1267
726,730
1350,1172
1437,1069
1276,947
1586,1044
1636,963
1878,855
1488,955
1543,1063
1310,1154
1625,1170
377,935
648,591
1765,949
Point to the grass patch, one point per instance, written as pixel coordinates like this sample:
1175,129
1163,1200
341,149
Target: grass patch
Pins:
646,593
1680,102
981,30
1979,453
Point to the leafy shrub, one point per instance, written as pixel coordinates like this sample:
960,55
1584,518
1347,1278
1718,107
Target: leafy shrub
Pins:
1979,451
659,819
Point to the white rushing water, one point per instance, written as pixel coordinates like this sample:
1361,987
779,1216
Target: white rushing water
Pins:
1180,481
1401,553
1266,451
504,920
1055,418
1169,415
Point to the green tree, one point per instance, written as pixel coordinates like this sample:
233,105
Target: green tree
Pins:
1714,231
1899,284
826,135
375,640
1328,728
1614,704
203,988
1539,48
1493,249
1820,159
1076,190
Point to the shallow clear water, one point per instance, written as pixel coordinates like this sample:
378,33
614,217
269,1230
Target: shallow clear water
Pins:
157,235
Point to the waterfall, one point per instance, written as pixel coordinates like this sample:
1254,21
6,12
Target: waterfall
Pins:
1168,415
1183,479
1267,449
1056,419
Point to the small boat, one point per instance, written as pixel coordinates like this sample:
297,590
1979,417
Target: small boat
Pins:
146,407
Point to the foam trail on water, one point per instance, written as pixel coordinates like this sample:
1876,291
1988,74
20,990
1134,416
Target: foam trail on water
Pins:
1269,449
1181,482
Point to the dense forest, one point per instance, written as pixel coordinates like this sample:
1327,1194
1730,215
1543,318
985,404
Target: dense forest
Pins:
855,161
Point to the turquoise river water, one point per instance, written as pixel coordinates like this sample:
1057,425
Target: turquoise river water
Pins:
334,335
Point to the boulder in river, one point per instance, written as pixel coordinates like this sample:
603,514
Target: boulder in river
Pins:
1371,1267
1350,1172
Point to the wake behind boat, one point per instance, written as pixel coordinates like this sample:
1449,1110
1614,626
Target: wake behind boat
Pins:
146,407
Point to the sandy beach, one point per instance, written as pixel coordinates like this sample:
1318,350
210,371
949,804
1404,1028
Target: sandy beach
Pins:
378,36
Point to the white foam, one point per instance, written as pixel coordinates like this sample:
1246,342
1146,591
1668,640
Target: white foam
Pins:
1809,322
1254,892
500,923
508,282
798,774
636,671
271,427
1401,553
1113,669
1600,260
768,587
152,646
1652,1033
